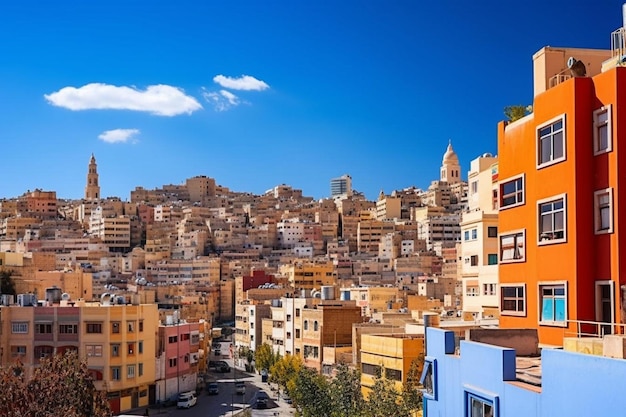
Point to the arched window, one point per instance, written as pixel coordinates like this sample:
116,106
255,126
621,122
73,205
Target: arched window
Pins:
315,326
306,325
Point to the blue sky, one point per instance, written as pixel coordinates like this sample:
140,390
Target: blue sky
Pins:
256,94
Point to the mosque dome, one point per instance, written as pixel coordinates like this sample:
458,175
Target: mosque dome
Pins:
450,156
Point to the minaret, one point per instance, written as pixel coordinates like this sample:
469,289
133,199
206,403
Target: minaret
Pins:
92,190
450,167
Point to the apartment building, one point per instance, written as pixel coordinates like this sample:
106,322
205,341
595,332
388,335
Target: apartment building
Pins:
559,171
479,244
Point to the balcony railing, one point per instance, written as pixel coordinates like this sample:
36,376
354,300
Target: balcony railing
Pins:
595,328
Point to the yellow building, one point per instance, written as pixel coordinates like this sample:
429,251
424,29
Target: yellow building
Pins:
117,340
392,352
307,275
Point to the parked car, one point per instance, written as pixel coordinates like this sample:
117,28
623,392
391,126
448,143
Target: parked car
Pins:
240,387
220,366
287,398
212,388
186,399
261,399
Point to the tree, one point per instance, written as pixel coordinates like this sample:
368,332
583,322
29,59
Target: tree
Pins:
345,393
60,386
7,285
248,354
264,357
285,370
516,112
412,389
311,394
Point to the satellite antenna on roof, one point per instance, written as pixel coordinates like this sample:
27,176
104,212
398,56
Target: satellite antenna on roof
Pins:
577,68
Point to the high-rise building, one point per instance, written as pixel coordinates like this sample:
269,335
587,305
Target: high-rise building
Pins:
341,186
92,190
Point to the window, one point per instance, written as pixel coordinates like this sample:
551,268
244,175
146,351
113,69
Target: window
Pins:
474,186
43,351
140,347
553,304
140,369
551,142
429,378
94,327
512,247
173,362
288,317
131,348
94,350
141,325
19,327
68,328
602,130
466,235
115,350
43,328
513,300
115,373
492,231
474,260
478,406
603,202
369,369
297,312
489,289
552,220
130,371
472,290
131,326
306,325
297,333
173,339
474,234
315,326
115,327
393,374
492,259
18,351
512,193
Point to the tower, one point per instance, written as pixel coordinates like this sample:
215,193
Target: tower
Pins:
92,190
341,186
450,167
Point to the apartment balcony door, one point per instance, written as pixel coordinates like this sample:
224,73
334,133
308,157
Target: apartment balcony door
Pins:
605,305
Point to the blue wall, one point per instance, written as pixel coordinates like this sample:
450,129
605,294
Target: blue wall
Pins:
572,384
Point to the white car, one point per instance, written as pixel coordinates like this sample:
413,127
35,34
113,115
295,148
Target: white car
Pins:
186,399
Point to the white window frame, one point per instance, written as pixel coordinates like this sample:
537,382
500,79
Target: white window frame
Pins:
471,394
512,233
524,299
609,130
130,371
553,160
19,327
546,284
598,300
519,191
546,241
597,214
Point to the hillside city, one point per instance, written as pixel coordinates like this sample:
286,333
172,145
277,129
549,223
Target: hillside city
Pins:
507,287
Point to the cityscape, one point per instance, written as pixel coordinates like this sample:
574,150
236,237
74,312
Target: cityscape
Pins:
496,290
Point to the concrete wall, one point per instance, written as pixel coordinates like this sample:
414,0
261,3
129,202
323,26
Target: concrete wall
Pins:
573,384
524,341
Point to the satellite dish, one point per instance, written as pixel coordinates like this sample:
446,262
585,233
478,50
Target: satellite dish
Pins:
576,67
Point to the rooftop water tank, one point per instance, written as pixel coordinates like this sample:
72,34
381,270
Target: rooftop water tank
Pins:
53,295
328,292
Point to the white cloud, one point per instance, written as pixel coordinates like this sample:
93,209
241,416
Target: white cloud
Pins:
161,100
118,135
245,82
222,100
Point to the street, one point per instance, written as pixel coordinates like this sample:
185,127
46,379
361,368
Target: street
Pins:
227,403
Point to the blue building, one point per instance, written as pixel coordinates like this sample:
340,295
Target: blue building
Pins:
484,380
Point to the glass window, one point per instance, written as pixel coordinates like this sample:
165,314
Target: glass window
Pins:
115,327
552,220
489,289
551,142
115,373
492,259
512,193
19,327
130,371
429,378
94,327
603,211
513,300
553,304
479,406
115,350
492,231
43,328
602,130
512,247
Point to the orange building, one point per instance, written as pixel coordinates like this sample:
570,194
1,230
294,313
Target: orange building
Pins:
559,234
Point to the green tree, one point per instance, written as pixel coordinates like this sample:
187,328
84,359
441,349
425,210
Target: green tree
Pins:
60,386
310,392
513,113
345,393
7,285
412,389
